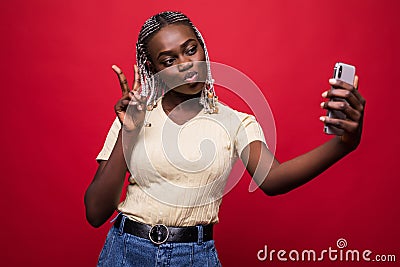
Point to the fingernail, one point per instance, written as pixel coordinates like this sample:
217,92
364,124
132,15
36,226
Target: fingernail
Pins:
325,94
322,118
322,104
332,81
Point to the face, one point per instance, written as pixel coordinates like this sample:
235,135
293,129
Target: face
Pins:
178,57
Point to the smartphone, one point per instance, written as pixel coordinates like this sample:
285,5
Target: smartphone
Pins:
343,72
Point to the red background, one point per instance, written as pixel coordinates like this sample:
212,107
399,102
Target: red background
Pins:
58,92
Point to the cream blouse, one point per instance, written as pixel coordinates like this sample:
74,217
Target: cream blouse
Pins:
178,172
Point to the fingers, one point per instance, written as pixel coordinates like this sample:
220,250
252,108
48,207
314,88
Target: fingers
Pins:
357,93
122,104
344,107
136,81
338,104
354,103
347,95
355,83
346,98
122,79
133,98
351,106
357,101
347,125
137,100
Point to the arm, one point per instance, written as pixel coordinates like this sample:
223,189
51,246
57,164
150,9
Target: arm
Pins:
291,174
104,192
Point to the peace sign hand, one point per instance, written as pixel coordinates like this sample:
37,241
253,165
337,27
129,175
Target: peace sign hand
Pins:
132,99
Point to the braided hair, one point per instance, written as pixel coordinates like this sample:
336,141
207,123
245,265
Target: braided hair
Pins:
153,88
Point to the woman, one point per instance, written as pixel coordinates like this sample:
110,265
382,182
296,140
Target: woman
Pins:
173,197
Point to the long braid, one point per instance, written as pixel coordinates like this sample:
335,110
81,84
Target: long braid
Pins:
153,88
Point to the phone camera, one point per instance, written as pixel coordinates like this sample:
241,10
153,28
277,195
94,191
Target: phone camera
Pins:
340,72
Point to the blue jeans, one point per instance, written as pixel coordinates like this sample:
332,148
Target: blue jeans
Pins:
123,249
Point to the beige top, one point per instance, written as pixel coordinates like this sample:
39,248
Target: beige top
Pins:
178,172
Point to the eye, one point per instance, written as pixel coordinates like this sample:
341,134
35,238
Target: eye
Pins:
168,62
191,50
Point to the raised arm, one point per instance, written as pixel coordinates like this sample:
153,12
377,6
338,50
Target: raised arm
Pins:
291,174
104,192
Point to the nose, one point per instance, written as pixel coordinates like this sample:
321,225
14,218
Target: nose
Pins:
184,66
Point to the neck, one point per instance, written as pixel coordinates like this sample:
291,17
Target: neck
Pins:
173,98
178,97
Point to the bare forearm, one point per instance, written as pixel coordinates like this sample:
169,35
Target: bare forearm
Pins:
298,171
103,195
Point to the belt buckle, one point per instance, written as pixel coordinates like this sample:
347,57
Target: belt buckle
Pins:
158,234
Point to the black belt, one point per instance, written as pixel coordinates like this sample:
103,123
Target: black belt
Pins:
160,233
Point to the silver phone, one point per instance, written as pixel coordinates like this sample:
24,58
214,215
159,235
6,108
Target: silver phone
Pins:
343,72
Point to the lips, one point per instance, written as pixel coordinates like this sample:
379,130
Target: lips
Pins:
191,76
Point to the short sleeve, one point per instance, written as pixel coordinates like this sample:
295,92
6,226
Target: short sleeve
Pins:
249,131
111,139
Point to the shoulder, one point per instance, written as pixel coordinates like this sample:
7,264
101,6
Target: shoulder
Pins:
243,126
239,116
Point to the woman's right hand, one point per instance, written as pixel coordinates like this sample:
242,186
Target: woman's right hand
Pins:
130,98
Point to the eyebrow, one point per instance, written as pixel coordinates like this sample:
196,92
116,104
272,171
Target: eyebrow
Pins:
182,46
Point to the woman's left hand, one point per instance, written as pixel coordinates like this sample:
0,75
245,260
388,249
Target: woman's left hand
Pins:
353,108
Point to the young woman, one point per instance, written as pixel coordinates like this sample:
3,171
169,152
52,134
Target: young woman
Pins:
175,187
